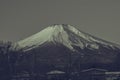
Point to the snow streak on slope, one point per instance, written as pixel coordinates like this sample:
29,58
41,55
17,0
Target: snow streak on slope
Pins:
66,35
37,39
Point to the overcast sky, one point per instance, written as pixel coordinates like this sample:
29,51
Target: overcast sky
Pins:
22,18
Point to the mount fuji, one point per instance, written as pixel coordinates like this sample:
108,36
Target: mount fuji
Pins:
66,35
59,46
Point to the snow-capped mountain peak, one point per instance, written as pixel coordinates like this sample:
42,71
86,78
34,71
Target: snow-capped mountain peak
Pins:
54,33
63,34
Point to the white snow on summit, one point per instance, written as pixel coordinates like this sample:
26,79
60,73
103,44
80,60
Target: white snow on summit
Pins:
63,34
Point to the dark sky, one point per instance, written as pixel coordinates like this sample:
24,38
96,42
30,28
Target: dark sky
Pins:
22,18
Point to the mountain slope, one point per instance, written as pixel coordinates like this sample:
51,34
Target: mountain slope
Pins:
66,35
61,46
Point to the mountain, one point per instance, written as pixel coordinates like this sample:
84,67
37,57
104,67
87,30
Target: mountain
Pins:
62,46
66,35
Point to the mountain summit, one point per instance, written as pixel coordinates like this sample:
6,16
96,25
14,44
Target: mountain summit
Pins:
61,46
66,35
